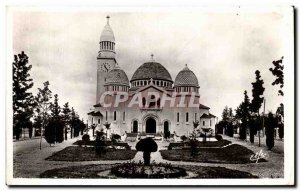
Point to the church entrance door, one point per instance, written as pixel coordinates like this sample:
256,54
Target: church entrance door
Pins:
166,127
150,125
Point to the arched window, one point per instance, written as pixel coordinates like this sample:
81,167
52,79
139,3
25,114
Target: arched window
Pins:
124,116
135,126
98,121
106,115
115,115
187,117
177,116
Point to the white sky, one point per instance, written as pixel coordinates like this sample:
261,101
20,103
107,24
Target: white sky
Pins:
223,50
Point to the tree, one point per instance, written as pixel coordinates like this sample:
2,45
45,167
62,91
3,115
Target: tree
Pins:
50,132
270,124
225,119
57,120
43,105
37,124
23,101
277,71
243,113
280,119
147,146
66,117
73,121
257,100
225,114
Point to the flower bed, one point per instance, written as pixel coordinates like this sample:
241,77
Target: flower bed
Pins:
139,170
117,145
181,145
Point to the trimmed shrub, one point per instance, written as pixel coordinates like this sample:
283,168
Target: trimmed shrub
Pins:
146,145
219,137
86,138
183,138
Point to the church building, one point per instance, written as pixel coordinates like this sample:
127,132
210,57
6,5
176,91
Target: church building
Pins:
162,113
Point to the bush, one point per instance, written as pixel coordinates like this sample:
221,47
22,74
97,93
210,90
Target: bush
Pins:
281,130
167,135
100,145
219,137
85,138
270,124
183,138
50,132
115,137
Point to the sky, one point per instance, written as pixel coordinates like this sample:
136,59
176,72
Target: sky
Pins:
223,49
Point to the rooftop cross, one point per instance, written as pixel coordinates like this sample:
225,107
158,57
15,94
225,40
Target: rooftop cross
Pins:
107,17
152,57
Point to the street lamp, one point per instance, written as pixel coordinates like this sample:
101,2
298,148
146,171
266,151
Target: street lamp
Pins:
107,125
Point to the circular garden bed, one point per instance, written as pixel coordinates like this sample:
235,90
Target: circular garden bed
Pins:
136,170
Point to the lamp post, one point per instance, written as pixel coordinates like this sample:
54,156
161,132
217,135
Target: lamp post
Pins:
206,130
107,125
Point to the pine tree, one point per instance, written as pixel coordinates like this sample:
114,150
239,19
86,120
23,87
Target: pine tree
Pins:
225,118
66,112
43,104
55,108
244,113
277,71
56,120
23,102
73,121
257,100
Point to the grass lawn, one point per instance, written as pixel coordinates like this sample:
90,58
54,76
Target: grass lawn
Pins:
91,171
74,153
233,154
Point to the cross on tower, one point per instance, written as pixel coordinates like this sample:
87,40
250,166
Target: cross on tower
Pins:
152,57
107,19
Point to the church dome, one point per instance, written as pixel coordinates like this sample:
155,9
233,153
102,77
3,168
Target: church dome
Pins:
117,76
186,77
152,70
107,33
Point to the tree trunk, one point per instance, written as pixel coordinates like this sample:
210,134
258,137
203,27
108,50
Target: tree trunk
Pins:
146,156
66,133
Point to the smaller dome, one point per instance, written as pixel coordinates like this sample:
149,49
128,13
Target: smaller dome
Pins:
107,34
186,77
117,76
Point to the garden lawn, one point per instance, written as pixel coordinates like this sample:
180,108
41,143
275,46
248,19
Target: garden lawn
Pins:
232,154
75,153
220,143
93,171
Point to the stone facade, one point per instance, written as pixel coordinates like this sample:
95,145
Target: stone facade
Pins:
155,114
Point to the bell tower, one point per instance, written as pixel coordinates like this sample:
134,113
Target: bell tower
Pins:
106,58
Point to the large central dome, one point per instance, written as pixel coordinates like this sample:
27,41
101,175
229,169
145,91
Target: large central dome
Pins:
152,70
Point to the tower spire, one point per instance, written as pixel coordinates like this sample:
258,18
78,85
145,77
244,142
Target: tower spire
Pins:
107,17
